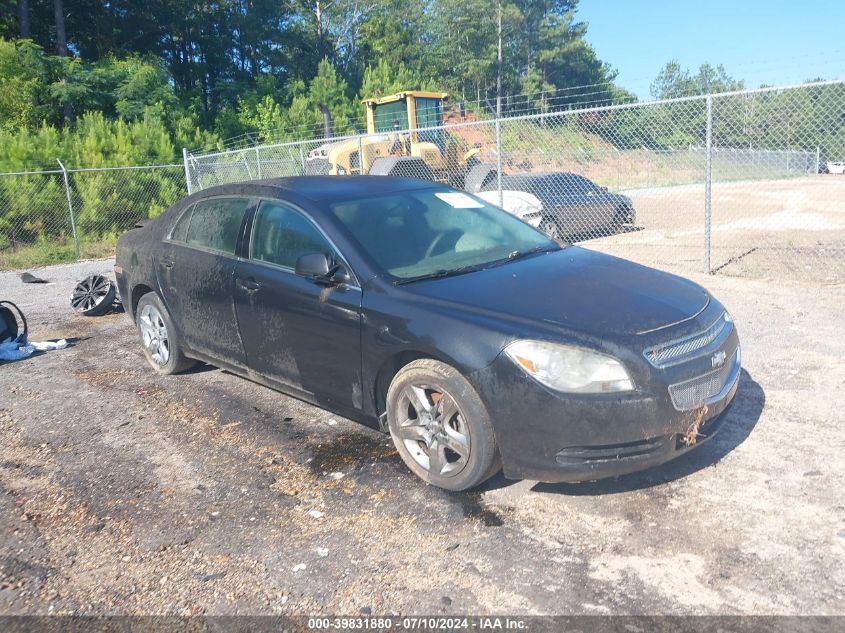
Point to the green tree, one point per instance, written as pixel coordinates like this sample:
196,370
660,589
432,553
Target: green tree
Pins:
23,73
383,79
674,81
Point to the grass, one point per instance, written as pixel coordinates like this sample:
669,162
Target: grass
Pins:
638,168
55,252
528,147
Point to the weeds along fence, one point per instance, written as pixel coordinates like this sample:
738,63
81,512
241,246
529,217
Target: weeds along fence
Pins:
66,214
732,183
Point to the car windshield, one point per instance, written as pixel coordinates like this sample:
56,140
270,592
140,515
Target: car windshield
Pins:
417,234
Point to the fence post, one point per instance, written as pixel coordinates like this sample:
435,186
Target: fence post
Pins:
499,160
360,157
70,209
258,162
187,171
818,162
708,182
302,158
246,164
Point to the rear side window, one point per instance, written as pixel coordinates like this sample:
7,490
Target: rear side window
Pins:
281,235
572,183
180,231
216,223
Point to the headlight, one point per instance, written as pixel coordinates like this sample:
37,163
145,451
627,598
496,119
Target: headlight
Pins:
341,171
570,369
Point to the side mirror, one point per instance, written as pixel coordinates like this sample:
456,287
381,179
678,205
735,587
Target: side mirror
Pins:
320,268
313,265
340,275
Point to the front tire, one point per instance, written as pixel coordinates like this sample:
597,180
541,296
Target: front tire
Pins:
550,228
440,426
159,338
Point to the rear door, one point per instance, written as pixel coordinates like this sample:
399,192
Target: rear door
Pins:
196,271
295,331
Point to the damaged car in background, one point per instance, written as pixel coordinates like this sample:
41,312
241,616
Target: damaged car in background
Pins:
470,337
569,205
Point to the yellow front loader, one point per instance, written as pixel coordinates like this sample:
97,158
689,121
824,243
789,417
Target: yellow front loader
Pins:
404,138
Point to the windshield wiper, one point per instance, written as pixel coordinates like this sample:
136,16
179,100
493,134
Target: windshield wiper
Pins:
543,248
439,274
450,272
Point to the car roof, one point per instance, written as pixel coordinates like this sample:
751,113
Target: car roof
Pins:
331,188
546,175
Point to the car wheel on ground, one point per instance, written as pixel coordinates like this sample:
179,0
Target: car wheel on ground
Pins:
93,296
159,338
440,426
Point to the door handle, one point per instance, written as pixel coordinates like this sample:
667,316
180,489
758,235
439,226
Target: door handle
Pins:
167,262
249,285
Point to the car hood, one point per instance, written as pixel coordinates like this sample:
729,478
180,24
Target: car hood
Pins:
581,290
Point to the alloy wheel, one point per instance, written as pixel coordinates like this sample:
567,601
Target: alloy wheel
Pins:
91,295
551,229
154,334
433,429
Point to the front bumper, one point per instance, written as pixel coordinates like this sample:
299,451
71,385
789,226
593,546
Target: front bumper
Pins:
552,437
590,463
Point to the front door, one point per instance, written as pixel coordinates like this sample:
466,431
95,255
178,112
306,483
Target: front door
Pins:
196,267
596,211
295,331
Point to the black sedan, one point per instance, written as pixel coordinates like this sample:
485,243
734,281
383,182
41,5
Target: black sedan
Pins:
573,205
468,335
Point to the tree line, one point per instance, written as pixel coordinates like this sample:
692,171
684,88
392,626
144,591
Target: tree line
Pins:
217,70
78,76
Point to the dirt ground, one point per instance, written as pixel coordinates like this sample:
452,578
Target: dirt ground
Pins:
792,228
122,492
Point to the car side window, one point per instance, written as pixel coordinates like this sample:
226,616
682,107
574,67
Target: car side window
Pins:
180,230
281,235
573,184
585,184
216,223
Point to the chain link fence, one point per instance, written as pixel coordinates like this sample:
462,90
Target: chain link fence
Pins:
61,215
733,183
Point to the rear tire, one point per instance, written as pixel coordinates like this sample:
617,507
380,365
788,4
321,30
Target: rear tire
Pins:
160,339
440,426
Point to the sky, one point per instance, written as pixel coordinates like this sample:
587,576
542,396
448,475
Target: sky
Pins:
763,42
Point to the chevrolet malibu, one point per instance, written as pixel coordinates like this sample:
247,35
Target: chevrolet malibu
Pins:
469,336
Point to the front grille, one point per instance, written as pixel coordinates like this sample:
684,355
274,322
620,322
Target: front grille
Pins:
706,388
610,453
680,350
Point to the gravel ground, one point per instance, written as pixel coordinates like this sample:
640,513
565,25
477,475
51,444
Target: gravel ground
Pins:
793,229
122,492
